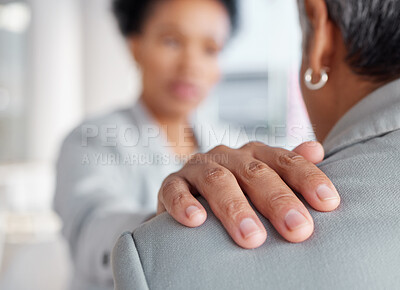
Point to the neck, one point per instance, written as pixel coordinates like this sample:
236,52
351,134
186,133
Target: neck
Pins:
343,91
163,118
177,129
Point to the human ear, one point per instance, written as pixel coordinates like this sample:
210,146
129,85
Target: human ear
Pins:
321,39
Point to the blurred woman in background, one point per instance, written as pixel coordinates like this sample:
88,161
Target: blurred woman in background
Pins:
100,190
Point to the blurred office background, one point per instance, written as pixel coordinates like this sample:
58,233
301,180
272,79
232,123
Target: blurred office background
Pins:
64,60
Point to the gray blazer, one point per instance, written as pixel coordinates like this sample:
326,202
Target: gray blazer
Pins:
354,247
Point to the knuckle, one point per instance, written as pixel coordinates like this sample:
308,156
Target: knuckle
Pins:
216,175
314,176
178,199
281,199
255,169
171,185
252,145
289,159
219,148
233,207
256,144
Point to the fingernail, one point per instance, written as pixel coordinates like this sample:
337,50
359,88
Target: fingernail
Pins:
248,228
325,193
191,211
295,220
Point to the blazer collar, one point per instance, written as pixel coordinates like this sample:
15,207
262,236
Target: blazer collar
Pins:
375,115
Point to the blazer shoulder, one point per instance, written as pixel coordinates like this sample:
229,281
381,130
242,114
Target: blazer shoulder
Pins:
126,265
93,130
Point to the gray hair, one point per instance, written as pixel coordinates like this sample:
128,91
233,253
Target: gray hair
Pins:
371,33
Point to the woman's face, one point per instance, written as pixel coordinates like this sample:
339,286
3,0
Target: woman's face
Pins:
178,52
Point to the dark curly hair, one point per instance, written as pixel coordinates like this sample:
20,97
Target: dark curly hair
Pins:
131,14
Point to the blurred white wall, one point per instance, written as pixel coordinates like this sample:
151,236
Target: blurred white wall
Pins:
268,37
79,66
55,74
111,78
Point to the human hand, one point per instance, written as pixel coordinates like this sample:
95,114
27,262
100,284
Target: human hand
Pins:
267,175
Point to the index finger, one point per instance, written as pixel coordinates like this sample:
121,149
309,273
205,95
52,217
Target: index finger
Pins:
300,174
